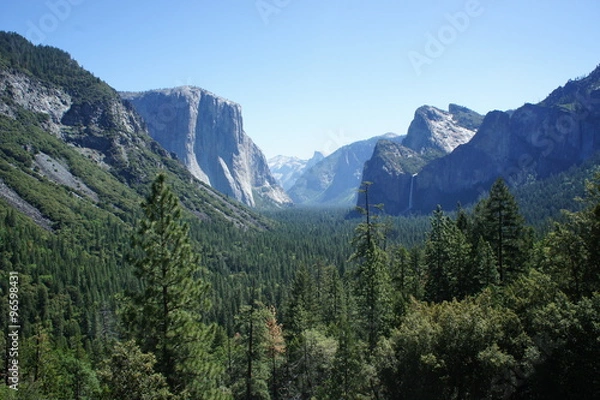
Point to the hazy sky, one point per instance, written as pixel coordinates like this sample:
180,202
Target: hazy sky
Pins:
317,74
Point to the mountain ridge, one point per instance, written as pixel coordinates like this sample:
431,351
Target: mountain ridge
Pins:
334,181
531,142
286,170
393,167
64,129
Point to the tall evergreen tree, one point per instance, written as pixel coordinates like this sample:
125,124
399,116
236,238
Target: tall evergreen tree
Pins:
252,369
346,380
484,271
498,221
572,251
446,256
373,282
302,308
165,315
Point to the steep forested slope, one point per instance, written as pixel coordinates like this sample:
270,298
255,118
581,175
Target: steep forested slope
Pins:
55,110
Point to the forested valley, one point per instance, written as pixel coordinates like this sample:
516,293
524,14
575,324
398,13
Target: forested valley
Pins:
461,304
123,277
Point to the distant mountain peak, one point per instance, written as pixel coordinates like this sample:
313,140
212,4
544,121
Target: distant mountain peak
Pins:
334,180
436,130
287,169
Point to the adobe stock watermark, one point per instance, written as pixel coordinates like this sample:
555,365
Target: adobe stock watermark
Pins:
269,8
437,43
336,139
14,328
58,11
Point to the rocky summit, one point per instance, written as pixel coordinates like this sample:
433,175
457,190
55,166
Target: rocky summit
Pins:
393,167
530,143
206,133
439,131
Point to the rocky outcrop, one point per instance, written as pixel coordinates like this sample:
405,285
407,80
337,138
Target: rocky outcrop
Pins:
335,180
532,142
207,135
439,132
45,93
393,169
536,141
32,95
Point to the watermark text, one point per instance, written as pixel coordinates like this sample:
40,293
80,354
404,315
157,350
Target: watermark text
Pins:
13,331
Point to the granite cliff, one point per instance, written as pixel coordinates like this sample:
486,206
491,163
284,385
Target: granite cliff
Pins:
393,167
206,133
435,131
531,143
64,130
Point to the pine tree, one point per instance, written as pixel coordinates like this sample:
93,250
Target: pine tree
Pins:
164,317
446,256
302,308
275,351
373,282
331,305
499,222
252,368
346,380
484,271
571,253
128,374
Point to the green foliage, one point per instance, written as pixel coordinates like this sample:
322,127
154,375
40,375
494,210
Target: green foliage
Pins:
456,350
498,221
55,66
258,351
312,356
164,317
302,310
446,257
502,322
346,379
129,374
571,253
372,278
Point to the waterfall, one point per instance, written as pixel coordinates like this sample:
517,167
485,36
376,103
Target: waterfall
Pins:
410,193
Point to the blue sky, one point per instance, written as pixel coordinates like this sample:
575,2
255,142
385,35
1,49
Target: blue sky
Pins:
314,75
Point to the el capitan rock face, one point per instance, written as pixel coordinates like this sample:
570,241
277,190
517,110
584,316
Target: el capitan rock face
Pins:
71,131
206,133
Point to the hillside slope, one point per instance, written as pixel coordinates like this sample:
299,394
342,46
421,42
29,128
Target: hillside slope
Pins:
67,138
531,143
